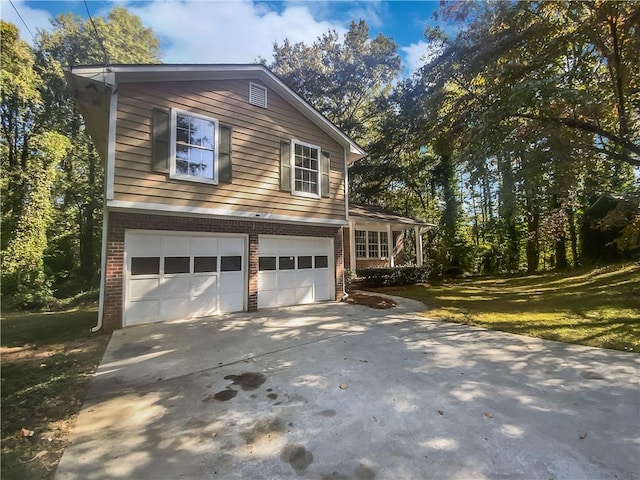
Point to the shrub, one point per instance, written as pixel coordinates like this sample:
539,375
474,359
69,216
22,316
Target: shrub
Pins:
392,277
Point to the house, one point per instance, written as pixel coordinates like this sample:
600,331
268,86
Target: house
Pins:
375,238
224,191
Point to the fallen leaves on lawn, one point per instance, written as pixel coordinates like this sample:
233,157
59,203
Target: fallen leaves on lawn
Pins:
26,432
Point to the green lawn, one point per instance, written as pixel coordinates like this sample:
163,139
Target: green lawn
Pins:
47,362
598,307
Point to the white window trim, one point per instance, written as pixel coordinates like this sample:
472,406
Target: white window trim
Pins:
367,230
172,148
293,169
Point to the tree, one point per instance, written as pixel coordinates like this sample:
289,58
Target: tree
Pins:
120,38
347,82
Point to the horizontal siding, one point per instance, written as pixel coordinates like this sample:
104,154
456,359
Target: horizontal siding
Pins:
257,134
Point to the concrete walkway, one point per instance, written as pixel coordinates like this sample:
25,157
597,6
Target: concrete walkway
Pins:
340,391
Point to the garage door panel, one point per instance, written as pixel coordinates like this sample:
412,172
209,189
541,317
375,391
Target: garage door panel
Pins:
287,279
175,308
179,286
322,292
304,294
204,305
267,281
144,245
286,296
144,287
144,311
230,246
304,278
174,245
203,245
204,285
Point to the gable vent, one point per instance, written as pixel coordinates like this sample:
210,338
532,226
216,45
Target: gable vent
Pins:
257,95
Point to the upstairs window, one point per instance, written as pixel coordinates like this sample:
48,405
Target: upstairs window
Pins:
189,146
306,165
194,147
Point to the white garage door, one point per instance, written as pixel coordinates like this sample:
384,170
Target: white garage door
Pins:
182,276
294,270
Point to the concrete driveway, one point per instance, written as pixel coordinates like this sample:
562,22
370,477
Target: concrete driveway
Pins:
339,391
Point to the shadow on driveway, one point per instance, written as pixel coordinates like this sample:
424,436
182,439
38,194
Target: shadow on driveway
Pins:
339,391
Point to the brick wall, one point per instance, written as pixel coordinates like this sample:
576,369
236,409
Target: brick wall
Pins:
120,222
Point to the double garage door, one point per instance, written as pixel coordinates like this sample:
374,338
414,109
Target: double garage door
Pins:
173,276
294,270
183,276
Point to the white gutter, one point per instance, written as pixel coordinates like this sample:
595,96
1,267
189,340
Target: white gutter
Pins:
103,267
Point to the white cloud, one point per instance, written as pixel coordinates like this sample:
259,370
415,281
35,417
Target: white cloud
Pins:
35,18
227,31
418,54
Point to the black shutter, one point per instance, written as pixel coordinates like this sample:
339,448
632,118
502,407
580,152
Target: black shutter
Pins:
160,142
224,155
325,166
285,166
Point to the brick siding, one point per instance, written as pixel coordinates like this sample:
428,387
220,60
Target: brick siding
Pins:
120,222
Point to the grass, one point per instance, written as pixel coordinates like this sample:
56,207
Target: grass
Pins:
599,307
47,362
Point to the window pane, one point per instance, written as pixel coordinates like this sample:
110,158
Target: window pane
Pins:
266,263
205,264
373,244
322,261
231,263
361,244
145,265
384,244
176,265
305,262
195,140
287,263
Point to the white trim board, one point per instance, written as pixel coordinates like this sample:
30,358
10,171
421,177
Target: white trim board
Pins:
219,213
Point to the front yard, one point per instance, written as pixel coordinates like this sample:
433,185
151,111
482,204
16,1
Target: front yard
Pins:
47,362
598,307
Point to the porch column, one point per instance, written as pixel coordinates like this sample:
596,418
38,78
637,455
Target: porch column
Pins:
390,245
352,247
419,257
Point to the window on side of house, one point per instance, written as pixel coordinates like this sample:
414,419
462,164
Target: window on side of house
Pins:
306,170
194,147
371,244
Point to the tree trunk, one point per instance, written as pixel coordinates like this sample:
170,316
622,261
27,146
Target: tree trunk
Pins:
87,250
573,237
533,247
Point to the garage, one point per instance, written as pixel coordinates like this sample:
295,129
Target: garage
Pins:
171,276
295,270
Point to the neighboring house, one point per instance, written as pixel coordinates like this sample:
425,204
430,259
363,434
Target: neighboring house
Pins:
224,191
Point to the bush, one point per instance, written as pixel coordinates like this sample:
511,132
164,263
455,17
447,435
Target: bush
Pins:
392,277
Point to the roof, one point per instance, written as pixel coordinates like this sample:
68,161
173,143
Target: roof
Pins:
93,86
376,214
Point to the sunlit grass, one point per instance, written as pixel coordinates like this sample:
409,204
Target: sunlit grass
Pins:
598,307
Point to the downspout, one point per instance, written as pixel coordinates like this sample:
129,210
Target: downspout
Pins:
103,266
108,178
345,295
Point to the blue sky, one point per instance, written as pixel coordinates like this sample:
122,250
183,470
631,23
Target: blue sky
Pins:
241,31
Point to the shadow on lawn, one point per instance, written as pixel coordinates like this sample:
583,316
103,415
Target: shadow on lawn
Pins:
598,307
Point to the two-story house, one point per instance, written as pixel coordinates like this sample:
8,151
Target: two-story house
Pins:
224,191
